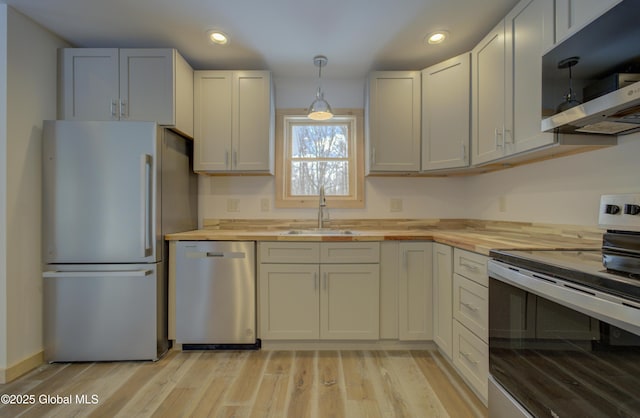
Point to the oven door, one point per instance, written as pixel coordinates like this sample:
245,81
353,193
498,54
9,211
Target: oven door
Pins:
558,349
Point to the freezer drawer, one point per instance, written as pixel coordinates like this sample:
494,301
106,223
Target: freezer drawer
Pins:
104,312
215,292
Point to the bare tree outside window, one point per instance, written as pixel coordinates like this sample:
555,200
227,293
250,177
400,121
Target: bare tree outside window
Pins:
319,156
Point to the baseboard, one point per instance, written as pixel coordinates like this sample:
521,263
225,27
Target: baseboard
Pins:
347,345
11,373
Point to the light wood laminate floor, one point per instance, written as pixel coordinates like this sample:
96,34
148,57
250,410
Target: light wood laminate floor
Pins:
295,384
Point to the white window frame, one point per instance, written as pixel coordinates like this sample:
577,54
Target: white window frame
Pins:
285,118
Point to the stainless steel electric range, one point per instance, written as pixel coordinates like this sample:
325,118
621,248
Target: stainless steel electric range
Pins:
564,326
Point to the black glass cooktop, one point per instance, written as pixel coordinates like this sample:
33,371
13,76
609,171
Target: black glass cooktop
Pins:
579,266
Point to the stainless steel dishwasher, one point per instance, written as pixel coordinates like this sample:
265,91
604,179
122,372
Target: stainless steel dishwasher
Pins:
216,294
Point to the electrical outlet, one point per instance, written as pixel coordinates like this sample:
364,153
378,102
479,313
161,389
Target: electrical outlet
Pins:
265,204
396,205
233,205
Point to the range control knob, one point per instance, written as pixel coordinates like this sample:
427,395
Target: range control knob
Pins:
631,209
612,209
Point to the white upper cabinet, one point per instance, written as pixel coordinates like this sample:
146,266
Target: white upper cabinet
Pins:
488,97
153,85
393,119
529,30
507,83
233,121
446,96
573,15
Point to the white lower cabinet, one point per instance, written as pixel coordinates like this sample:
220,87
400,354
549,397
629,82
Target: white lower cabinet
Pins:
406,280
442,298
471,359
314,294
471,320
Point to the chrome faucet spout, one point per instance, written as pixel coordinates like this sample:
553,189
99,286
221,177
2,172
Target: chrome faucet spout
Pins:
322,205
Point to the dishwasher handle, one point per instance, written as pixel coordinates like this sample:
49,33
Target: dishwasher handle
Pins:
215,254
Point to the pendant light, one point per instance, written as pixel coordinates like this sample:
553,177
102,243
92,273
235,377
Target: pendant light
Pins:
319,109
570,98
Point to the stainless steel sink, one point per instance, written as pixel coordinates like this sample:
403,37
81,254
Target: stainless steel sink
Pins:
319,231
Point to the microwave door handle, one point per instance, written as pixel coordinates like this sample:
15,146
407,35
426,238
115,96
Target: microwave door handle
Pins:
146,202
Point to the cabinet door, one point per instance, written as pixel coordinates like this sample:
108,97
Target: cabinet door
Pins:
394,121
288,303
529,29
89,85
488,97
573,15
147,85
442,297
446,97
349,302
212,120
415,291
252,115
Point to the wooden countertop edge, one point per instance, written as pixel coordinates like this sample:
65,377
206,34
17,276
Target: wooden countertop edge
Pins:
476,241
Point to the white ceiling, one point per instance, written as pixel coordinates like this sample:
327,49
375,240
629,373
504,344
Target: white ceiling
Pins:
280,35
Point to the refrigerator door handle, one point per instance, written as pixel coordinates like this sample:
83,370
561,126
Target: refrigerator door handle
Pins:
99,274
146,204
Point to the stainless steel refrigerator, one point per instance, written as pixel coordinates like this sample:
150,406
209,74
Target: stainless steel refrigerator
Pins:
111,191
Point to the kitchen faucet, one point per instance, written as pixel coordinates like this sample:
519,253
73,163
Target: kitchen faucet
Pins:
322,207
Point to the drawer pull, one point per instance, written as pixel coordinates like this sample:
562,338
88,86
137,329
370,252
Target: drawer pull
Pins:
470,267
469,306
469,358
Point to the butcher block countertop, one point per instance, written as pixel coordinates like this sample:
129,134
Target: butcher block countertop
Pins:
472,235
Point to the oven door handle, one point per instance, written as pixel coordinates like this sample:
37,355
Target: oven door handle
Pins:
620,312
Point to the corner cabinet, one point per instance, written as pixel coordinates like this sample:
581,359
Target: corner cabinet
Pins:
406,311
234,122
393,121
446,102
127,84
310,291
443,298
507,83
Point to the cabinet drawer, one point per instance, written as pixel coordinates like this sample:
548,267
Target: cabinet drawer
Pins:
289,252
471,359
471,306
350,252
471,265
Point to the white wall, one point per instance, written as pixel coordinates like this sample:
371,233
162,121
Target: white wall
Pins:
3,184
31,70
565,190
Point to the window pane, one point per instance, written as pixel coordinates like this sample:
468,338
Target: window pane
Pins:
308,176
319,141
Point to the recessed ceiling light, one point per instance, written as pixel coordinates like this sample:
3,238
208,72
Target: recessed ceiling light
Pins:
437,37
217,37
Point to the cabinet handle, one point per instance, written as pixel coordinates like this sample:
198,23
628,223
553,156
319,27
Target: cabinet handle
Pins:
235,159
469,306
464,151
324,278
469,358
504,136
496,134
470,267
114,105
373,155
124,112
